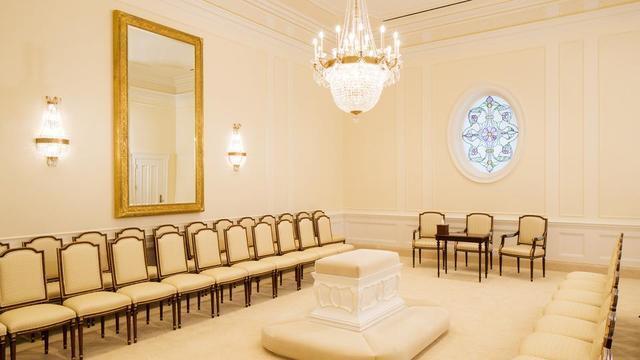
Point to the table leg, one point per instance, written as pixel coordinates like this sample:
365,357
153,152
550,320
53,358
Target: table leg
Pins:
438,251
445,255
480,261
486,258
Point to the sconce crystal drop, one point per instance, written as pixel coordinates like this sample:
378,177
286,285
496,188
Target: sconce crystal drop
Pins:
236,154
52,142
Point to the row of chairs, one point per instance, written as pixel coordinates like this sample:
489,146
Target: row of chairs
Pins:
531,238
26,306
579,322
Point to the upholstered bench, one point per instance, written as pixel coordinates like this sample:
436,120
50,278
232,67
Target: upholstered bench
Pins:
359,314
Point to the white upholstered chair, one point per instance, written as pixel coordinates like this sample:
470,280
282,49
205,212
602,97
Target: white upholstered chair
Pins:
49,245
287,246
99,239
130,277
24,304
297,217
271,220
326,238
220,226
480,224
531,243
248,223
267,251
171,256
209,262
168,228
82,288
424,237
239,257
152,270
189,230
314,216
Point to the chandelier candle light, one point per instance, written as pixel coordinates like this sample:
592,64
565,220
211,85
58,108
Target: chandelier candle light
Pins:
52,142
236,154
356,70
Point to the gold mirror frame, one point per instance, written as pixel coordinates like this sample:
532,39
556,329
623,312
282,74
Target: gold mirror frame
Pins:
121,21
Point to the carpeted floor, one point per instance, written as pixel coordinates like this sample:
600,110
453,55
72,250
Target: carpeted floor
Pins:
488,320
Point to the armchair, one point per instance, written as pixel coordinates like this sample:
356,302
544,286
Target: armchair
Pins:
531,242
424,237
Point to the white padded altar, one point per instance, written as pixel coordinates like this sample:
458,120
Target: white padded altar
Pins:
358,314
356,289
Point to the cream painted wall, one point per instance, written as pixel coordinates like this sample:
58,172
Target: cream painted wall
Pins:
574,79
292,131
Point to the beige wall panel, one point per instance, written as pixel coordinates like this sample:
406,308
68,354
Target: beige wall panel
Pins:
522,191
619,74
370,157
571,137
412,102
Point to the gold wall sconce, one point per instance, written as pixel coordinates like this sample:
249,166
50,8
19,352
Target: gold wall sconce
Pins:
52,142
236,154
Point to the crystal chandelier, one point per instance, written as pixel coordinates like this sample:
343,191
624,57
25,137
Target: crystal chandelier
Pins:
356,71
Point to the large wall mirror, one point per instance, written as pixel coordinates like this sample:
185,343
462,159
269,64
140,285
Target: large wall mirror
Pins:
158,118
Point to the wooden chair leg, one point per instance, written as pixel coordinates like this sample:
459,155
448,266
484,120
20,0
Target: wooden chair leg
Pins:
64,337
217,293
188,303
230,292
543,267
199,300
419,256
491,260
531,265
466,259
161,306
258,285
102,327
148,313
45,337
413,250
117,323
173,312
128,318
80,328
179,310
280,278
134,318
3,348
518,262
455,260
500,261
72,327
33,337
274,285
12,346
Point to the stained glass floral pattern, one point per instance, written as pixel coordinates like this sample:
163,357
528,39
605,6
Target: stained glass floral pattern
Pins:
490,134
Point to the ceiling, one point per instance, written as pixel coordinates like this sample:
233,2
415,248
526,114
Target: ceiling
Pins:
384,9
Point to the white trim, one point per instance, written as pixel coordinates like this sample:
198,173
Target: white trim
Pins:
459,111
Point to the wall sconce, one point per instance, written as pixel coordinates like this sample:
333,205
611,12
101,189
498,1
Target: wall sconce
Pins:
236,154
52,142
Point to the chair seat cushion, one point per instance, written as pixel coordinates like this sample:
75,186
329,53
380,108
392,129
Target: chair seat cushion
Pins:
340,248
323,251
188,282
35,316
522,250
107,280
147,291
281,262
471,247
303,256
97,302
153,272
427,243
223,274
553,346
588,285
567,326
583,275
255,267
573,309
3,330
53,290
580,296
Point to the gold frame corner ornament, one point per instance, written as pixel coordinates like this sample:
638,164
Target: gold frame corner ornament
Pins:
121,21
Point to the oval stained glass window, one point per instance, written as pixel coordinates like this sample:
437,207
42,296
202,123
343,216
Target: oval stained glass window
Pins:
490,134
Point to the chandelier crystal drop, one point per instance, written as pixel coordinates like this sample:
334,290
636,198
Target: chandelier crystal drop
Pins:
356,71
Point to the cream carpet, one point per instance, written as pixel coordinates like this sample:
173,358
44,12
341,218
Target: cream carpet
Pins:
488,320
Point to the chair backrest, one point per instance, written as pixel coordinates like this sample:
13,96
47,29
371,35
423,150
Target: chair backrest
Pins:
4,247
305,230
80,268
171,254
323,225
285,237
428,221
263,239
220,226
479,223
163,229
189,230
128,261
271,220
206,249
131,231
248,223
22,278
99,239
531,227
316,214
49,245
286,216
237,244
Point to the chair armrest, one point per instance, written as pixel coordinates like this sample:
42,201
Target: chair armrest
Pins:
505,236
415,232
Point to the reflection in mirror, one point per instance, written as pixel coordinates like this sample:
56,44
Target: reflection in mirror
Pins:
162,119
